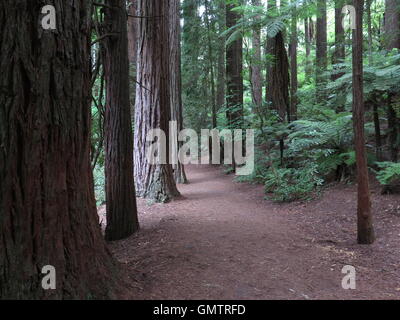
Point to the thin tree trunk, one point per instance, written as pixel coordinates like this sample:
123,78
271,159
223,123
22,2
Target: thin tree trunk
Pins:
293,66
322,53
269,49
364,213
132,51
307,39
122,218
221,56
369,23
47,206
211,65
153,109
255,68
339,54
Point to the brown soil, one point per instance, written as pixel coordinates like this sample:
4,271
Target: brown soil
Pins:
222,240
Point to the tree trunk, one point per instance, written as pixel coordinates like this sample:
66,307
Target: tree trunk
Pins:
392,25
307,39
153,105
255,68
234,67
364,213
132,51
221,56
176,79
322,53
293,66
211,65
339,54
392,41
122,218
47,206
269,49
280,79
369,24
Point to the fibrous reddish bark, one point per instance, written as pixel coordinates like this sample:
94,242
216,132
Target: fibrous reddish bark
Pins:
122,218
176,79
365,228
47,207
153,109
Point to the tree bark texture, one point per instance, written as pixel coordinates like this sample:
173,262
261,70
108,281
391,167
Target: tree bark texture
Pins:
47,207
153,104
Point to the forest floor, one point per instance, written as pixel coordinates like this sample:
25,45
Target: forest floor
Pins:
223,240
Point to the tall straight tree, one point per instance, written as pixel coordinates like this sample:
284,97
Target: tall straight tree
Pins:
176,80
255,68
221,55
269,49
122,218
392,41
322,50
293,63
307,39
210,31
47,207
132,51
392,24
153,105
234,68
364,212
339,53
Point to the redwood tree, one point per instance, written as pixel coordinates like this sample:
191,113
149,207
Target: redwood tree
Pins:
322,50
255,67
176,78
364,213
234,67
392,41
152,108
47,207
122,218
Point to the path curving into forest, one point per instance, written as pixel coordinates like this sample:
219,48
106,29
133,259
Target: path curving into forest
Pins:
222,240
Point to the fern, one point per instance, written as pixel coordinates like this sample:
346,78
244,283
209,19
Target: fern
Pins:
390,172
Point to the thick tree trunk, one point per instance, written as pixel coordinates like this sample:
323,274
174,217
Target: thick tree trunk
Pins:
293,66
364,213
322,52
234,67
280,79
392,25
122,218
153,109
392,41
176,79
47,207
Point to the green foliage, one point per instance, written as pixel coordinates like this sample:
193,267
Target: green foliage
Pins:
290,184
389,173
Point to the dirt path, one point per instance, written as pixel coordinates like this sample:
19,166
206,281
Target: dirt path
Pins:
222,240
